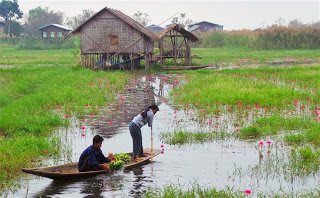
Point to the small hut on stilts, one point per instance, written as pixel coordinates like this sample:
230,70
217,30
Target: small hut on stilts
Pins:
113,40
175,44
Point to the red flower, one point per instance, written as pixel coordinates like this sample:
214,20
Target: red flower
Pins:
295,102
248,192
239,104
258,106
83,128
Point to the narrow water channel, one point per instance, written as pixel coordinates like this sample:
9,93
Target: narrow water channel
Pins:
222,163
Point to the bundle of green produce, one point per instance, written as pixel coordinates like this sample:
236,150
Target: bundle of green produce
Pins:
119,161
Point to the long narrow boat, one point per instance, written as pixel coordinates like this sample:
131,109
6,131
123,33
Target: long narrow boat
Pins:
70,171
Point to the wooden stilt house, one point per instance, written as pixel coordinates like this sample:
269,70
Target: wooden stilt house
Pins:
111,39
175,44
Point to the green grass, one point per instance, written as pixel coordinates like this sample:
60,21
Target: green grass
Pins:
36,93
10,55
20,152
30,92
304,160
176,191
220,56
275,124
266,87
282,92
182,137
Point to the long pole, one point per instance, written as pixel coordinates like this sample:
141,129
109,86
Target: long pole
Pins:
151,145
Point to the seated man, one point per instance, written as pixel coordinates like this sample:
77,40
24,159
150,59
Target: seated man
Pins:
92,158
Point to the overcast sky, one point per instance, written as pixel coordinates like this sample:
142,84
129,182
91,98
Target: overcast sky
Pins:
236,14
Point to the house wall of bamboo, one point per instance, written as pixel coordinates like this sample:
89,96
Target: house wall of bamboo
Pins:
106,33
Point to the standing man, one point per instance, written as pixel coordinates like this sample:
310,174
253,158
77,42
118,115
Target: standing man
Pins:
135,129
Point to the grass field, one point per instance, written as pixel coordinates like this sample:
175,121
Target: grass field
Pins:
221,56
37,83
40,84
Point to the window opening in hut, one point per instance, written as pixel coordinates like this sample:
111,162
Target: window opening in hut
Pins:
44,34
52,34
113,39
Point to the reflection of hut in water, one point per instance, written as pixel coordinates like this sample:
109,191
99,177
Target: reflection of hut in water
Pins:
175,44
111,39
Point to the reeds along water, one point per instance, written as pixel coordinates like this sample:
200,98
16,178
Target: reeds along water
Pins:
274,37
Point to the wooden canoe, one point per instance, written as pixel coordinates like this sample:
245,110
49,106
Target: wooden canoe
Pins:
70,171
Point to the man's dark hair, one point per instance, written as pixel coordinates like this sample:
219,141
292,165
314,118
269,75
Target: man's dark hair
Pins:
144,113
97,139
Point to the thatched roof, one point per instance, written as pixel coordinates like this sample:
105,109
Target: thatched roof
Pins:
128,20
185,33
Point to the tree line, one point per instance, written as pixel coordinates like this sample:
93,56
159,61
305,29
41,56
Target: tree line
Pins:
37,17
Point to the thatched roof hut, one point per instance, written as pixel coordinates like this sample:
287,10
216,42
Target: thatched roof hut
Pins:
111,39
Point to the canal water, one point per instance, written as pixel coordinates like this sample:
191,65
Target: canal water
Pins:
223,163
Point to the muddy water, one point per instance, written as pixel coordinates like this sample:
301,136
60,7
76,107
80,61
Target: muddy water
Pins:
221,163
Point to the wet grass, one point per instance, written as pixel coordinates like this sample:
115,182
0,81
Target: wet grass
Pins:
305,160
176,191
21,152
276,88
280,101
275,124
34,96
183,137
212,56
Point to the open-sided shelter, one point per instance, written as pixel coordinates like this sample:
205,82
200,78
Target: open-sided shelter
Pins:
111,39
175,43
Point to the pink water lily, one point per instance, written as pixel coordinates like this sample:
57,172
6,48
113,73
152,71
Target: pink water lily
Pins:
248,192
83,134
261,143
162,146
269,142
